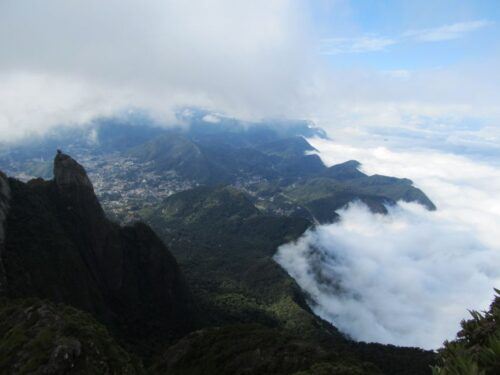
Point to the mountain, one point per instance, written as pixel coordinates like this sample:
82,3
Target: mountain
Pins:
208,161
59,245
348,170
280,173
322,196
177,153
222,305
225,245
136,159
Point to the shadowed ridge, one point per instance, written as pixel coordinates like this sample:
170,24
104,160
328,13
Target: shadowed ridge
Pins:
60,246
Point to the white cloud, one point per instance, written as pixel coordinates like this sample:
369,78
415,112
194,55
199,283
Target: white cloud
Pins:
446,32
246,59
407,278
211,118
67,62
453,108
335,46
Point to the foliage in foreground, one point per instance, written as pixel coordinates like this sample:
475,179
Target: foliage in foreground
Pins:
476,351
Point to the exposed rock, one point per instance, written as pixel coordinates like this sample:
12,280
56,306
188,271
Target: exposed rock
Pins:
59,245
68,172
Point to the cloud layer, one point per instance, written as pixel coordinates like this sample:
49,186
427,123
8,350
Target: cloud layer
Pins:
407,278
66,62
245,59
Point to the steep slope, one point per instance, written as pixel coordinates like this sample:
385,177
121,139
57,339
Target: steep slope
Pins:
60,246
225,245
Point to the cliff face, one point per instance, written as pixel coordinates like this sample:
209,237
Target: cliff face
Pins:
4,208
60,246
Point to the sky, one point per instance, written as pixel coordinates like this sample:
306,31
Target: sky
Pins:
408,88
410,66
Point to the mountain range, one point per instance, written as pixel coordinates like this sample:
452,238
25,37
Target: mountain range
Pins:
192,287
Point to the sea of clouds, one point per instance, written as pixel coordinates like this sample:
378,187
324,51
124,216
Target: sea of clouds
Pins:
407,278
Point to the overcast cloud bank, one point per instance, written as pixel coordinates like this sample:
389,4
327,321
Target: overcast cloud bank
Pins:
407,278
64,63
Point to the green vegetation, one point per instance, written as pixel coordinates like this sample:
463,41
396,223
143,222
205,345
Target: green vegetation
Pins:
476,351
38,337
225,247
241,314
253,350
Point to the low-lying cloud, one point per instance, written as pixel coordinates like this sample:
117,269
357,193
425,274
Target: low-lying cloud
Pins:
407,278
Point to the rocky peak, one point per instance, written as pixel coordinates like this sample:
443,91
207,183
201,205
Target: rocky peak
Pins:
346,171
60,246
68,172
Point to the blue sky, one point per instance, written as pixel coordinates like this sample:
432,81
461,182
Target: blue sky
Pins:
469,32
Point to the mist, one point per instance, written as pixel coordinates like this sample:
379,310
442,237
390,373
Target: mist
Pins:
409,277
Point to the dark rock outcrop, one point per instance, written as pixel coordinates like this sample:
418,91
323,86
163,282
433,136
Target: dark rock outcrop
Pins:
59,245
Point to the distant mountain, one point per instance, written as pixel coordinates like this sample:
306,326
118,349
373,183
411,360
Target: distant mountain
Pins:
177,153
211,162
344,183
271,159
348,170
280,170
58,245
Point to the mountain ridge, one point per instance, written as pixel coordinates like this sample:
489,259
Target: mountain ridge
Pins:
60,245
